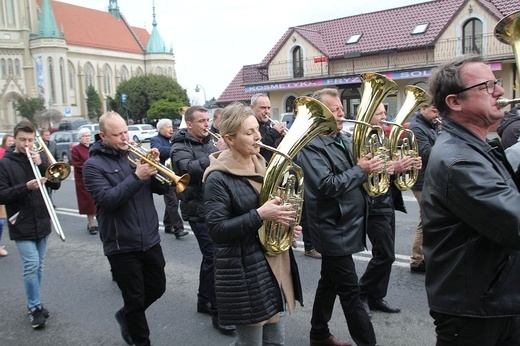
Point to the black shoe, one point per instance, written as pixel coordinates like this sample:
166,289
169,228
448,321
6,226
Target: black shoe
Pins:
93,230
169,230
180,234
421,268
382,305
204,308
365,306
125,334
45,312
37,318
226,330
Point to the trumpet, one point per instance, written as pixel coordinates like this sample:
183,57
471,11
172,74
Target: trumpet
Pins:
57,171
45,195
164,175
273,121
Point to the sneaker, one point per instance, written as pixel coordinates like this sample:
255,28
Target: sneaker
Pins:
3,252
125,334
37,318
312,254
45,312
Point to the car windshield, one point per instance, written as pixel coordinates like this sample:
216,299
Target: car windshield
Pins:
147,127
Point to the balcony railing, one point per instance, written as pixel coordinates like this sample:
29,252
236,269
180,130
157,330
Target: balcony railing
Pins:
388,60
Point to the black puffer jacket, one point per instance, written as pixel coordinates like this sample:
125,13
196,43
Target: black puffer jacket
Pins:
33,221
126,213
425,134
247,290
189,155
471,228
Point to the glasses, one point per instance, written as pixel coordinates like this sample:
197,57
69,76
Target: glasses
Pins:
490,86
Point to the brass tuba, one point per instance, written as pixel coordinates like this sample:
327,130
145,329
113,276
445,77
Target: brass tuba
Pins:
508,31
368,139
283,178
415,98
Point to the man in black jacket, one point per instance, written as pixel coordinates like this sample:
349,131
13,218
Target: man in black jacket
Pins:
28,220
190,155
336,209
509,129
128,223
172,221
424,127
271,133
381,232
471,221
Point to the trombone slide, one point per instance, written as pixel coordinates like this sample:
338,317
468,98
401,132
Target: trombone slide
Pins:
46,198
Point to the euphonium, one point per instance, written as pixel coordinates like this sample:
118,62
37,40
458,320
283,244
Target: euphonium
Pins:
283,178
508,31
367,139
415,98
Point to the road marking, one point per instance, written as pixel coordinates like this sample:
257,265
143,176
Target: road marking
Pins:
365,256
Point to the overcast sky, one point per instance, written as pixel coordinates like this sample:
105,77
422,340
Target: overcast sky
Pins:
213,39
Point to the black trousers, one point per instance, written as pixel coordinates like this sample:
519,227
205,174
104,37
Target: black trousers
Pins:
141,279
206,274
381,232
339,278
465,331
172,218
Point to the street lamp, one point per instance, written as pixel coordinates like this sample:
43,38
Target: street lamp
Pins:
197,89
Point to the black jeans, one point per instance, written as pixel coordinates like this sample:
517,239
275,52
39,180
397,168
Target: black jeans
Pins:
172,218
141,279
206,275
339,278
465,331
381,232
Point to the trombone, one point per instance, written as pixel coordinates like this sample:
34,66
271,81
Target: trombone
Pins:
164,175
57,171
45,195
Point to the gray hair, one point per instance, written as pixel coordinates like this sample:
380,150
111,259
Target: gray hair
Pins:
83,131
163,123
318,94
256,97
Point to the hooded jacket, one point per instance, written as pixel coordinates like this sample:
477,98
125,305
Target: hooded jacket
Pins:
471,228
247,289
33,221
191,156
125,211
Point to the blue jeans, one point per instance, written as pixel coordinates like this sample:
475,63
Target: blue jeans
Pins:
272,334
2,223
32,253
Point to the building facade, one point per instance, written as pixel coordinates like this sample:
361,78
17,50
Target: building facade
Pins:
55,50
404,44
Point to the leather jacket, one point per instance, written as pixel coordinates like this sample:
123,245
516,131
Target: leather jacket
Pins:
471,228
335,202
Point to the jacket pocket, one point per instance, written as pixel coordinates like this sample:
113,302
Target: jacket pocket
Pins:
501,275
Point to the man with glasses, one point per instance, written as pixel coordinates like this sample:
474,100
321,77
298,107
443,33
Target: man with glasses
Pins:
470,215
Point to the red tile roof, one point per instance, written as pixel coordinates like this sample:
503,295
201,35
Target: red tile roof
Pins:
235,91
97,29
389,29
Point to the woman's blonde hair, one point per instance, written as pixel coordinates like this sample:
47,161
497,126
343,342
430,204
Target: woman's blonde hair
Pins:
232,118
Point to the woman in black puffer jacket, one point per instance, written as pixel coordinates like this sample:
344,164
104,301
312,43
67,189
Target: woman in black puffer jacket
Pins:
253,289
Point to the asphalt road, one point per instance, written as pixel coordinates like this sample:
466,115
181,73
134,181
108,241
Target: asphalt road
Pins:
82,298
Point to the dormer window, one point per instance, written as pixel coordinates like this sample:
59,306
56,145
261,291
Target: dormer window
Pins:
354,38
420,28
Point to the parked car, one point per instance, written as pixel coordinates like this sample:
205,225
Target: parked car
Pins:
72,123
64,140
141,132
